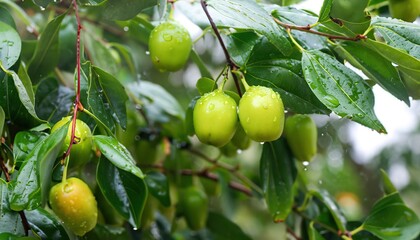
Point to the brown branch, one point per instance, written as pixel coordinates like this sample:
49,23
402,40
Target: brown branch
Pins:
309,30
205,173
232,65
77,104
291,232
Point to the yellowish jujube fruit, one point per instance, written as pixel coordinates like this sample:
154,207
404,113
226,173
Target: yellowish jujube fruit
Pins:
74,203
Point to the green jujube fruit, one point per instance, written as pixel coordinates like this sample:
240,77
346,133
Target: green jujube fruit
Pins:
301,134
407,10
74,203
261,114
169,46
215,118
193,204
81,150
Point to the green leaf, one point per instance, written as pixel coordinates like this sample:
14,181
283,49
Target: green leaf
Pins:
399,34
189,121
24,91
159,104
116,153
397,56
24,143
218,224
387,183
278,174
126,192
2,120
268,67
45,224
340,89
107,232
390,219
411,80
32,183
158,186
13,108
326,199
43,3
10,221
205,85
10,45
351,15
324,13
123,9
113,95
375,67
53,100
248,15
99,52
46,54
6,17
240,46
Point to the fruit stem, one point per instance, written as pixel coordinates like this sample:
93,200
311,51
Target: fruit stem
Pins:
242,78
301,49
357,230
232,65
64,177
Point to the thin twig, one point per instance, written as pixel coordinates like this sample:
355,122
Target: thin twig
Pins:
291,232
232,65
77,104
202,173
232,169
309,30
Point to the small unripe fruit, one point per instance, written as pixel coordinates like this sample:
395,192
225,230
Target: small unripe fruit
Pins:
73,202
407,10
215,118
81,150
194,205
169,46
261,113
301,134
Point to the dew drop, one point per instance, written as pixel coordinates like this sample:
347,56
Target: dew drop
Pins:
211,106
332,101
167,37
126,29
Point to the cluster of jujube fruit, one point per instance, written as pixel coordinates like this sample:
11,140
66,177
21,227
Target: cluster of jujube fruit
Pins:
72,200
260,111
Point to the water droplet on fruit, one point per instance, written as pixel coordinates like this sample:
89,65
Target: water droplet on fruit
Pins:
265,106
126,29
247,119
68,188
275,119
305,163
167,37
211,106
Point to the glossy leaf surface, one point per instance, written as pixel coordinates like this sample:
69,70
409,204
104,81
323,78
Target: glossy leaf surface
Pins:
277,173
340,89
